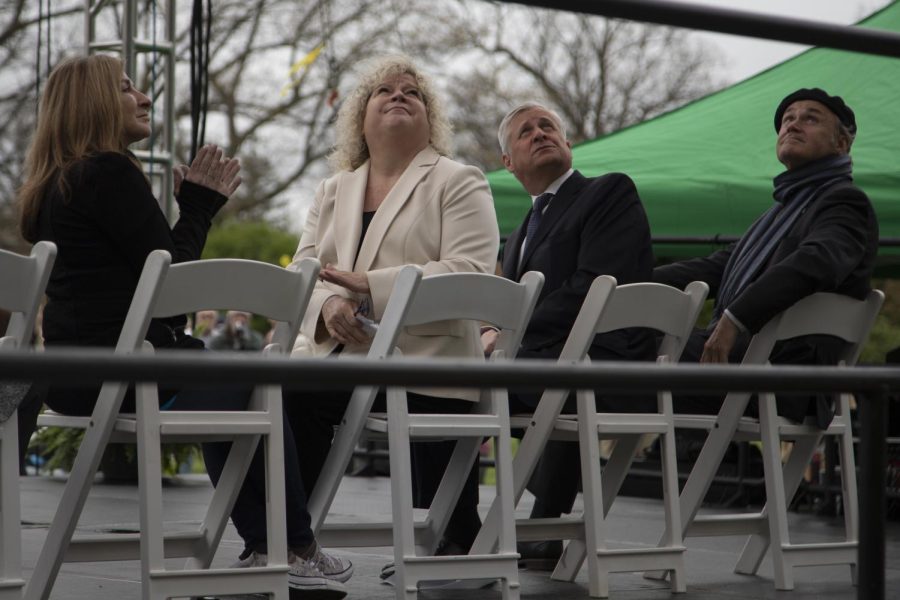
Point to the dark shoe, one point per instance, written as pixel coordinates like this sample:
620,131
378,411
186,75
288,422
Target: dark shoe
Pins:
444,548
539,556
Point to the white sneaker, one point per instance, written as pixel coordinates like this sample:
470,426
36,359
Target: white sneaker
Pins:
333,567
305,580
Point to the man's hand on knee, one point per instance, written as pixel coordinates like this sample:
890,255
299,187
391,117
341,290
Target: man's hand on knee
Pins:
719,345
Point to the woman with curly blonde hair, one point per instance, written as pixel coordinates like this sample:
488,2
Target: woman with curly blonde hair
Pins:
395,199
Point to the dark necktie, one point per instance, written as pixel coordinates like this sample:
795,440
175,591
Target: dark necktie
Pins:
540,203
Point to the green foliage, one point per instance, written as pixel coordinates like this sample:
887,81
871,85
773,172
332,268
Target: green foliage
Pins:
885,334
253,240
59,445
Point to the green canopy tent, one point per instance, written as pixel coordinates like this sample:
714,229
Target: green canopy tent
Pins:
706,169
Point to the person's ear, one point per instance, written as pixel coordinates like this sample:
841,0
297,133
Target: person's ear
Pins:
507,162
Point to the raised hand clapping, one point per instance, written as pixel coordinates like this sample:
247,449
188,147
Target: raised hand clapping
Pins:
212,169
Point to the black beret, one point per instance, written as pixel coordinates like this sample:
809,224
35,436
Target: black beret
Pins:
834,103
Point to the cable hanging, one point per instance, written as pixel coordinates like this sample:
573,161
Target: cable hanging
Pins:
153,76
199,72
41,26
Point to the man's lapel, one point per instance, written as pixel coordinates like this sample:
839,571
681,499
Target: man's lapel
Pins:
392,204
558,206
511,248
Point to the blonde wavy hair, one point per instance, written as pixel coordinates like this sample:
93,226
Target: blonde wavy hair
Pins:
80,115
350,149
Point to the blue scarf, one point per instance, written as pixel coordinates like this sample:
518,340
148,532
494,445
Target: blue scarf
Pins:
794,191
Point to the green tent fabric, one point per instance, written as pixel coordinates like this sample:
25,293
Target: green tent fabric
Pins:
706,168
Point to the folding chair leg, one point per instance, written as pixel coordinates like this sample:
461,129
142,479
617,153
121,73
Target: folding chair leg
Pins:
617,468
11,582
505,496
152,547
594,507
401,491
224,496
612,478
573,557
755,549
775,490
276,510
449,490
75,494
339,456
848,481
706,465
670,497
530,450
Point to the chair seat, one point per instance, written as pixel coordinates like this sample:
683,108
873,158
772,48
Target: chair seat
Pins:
748,427
175,426
439,426
618,424
612,425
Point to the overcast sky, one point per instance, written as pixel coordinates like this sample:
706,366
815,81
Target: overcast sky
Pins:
745,56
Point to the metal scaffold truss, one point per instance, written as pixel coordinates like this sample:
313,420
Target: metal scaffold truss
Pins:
143,35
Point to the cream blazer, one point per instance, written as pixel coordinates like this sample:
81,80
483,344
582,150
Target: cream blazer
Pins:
439,215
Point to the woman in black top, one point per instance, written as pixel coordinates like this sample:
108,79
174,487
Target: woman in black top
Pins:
86,192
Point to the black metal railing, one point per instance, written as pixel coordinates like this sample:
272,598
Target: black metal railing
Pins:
735,22
871,384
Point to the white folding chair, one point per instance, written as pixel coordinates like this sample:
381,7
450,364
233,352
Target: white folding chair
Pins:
822,314
163,291
607,308
470,296
354,421
24,280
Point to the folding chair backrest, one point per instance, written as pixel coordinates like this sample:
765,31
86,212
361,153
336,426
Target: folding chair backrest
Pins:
234,284
480,297
165,290
662,308
656,306
24,279
820,314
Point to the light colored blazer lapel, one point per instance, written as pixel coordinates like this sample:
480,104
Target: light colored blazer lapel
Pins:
390,207
348,205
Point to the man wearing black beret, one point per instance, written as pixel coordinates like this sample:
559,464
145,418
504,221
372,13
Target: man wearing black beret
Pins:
820,235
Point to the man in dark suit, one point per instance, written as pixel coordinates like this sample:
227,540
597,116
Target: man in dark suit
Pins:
578,228
821,235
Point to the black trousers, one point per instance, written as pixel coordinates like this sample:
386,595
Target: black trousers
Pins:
249,512
805,350
314,414
557,475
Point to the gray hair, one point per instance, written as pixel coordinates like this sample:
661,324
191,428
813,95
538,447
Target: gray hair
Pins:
350,150
844,131
503,131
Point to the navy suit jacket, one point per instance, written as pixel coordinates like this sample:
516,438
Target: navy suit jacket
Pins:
593,226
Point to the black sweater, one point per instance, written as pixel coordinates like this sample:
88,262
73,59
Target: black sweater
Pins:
104,232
